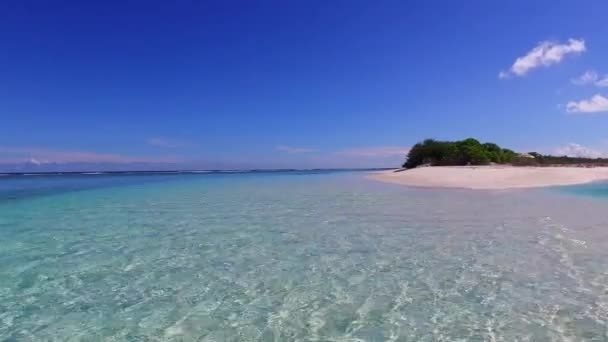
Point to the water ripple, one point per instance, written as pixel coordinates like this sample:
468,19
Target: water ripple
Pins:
324,258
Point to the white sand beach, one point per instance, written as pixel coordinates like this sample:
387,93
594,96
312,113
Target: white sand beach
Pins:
492,177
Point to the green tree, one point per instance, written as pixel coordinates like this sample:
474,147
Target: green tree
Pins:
464,152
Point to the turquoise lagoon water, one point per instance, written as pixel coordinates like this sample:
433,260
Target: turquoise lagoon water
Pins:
297,257
598,190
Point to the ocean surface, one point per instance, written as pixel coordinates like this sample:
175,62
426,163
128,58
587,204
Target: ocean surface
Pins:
297,256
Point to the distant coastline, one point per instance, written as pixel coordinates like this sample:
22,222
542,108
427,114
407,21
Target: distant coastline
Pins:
178,172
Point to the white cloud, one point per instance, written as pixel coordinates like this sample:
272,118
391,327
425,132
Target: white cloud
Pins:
544,54
597,103
364,157
36,161
503,75
40,155
602,82
383,151
577,150
588,77
591,77
165,142
291,149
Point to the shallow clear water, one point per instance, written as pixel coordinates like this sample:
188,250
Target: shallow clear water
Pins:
297,257
598,190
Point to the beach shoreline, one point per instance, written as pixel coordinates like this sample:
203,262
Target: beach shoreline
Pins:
494,177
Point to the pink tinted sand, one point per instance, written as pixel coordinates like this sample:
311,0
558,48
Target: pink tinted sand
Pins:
492,177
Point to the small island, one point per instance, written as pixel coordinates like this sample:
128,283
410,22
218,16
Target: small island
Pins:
470,151
470,164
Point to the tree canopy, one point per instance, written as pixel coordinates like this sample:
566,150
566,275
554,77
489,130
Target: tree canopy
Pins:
471,152
464,152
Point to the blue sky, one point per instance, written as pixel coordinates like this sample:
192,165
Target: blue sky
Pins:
297,83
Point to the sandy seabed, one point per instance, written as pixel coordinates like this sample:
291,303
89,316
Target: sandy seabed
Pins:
492,177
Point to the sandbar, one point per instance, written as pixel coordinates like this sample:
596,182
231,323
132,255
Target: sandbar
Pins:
492,177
